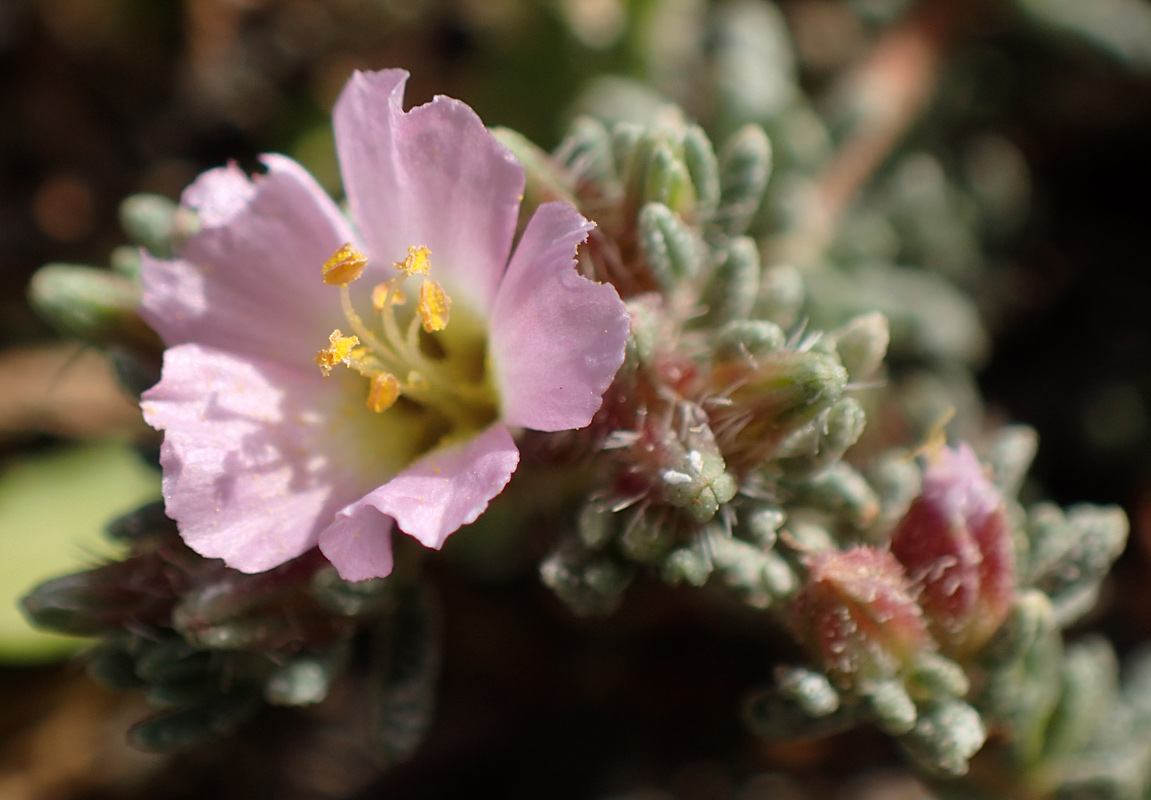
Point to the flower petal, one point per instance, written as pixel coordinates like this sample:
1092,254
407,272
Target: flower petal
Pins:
557,338
359,543
957,483
249,282
245,472
218,195
447,488
433,176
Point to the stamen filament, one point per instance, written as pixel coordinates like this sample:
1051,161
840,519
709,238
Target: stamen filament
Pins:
424,383
386,294
428,381
386,355
392,331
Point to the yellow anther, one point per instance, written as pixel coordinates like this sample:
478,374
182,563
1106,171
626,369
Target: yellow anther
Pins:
416,262
337,352
380,296
434,306
384,392
344,266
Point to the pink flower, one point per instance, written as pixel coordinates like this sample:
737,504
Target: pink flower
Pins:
407,418
956,544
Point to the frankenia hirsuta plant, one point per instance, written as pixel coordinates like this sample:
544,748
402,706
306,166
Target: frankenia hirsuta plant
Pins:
405,415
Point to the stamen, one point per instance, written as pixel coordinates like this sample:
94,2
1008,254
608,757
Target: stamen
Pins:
416,261
384,392
434,306
338,351
397,365
381,298
345,266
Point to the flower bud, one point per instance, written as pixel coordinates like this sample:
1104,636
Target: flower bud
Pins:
96,305
157,223
122,594
956,544
676,458
125,260
856,614
770,398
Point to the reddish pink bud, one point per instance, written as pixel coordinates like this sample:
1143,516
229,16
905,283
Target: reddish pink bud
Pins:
857,614
955,543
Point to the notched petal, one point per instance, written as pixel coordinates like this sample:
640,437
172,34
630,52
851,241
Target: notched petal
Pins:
557,338
449,487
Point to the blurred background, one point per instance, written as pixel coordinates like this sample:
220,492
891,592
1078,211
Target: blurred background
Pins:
1010,152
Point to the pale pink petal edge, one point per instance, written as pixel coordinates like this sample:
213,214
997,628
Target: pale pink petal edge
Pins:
431,176
359,543
557,338
241,478
446,489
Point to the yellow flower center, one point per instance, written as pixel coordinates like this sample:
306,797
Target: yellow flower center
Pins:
441,370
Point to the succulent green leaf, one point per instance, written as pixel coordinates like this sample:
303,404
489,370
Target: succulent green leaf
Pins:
745,168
